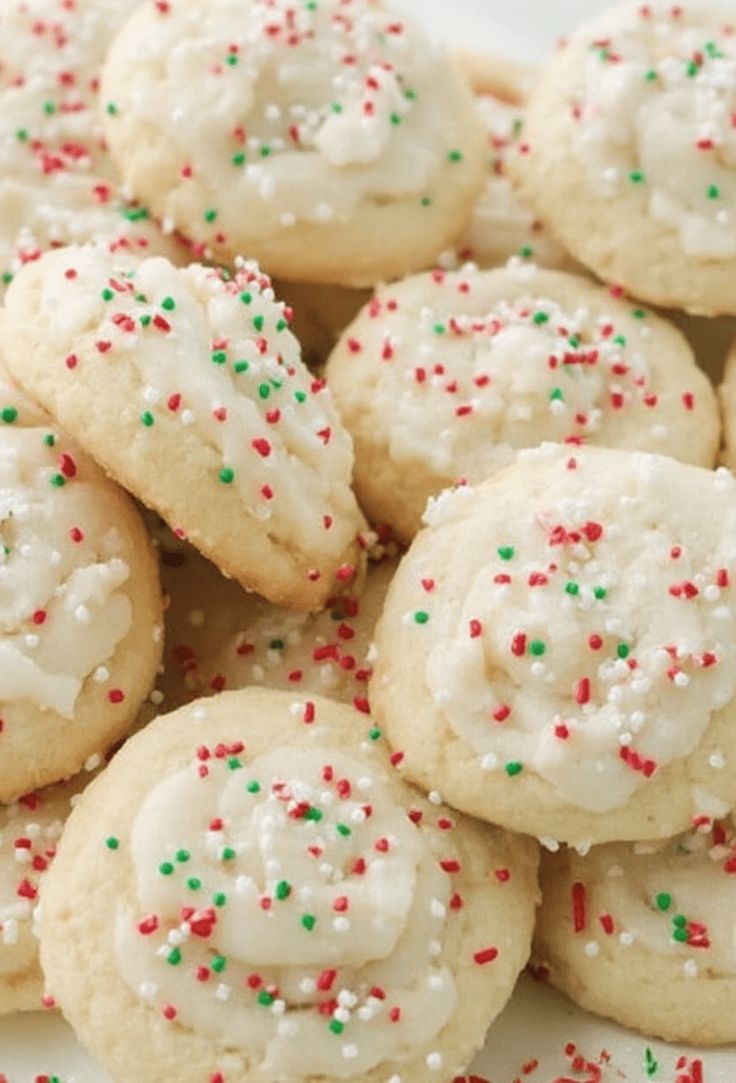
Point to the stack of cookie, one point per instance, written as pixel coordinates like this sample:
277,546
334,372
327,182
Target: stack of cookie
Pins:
464,585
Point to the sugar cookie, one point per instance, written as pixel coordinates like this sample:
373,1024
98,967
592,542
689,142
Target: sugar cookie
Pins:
242,896
445,376
334,144
643,933
631,152
556,652
189,388
80,604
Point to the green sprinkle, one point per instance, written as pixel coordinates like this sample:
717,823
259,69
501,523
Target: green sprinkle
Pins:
426,201
210,216
620,340
111,109
253,786
623,650
651,1067
374,734
168,304
679,921
9,414
234,764
194,883
219,357
283,890
246,297
308,922
232,59
663,901
112,843
227,475
344,830
108,294
282,325
537,648
22,135
506,552
639,314
147,419
49,440
145,321
572,589
336,1026
265,152
166,868
636,176
600,593
691,68
49,108
314,815
680,935
300,396
58,481
410,94
265,998
218,964
540,318
264,390
241,366
714,192
396,119
136,214
526,251
238,159
219,898
174,957
336,107
228,853
651,76
439,329
420,617
556,395
182,856
276,645
455,156
7,277
513,768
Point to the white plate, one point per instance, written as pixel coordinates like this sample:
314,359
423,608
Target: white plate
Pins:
527,1044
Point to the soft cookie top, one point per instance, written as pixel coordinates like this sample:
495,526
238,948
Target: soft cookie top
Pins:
80,603
57,182
631,151
625,917
332,141
442,378
189,388
266,899
557,650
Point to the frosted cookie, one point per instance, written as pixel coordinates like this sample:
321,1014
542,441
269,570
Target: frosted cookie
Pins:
643,933
57,183
301,139
218,637
80,604
264,898
29,832
189,388
556,653
631,152
446,376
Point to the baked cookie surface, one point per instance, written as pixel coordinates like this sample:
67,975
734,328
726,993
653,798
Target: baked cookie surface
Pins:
189,388
643,933
80,604
631,151
265,898
555,650
334,144
444,377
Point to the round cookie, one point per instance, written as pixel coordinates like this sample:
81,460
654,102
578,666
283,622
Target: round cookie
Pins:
445,376
189,388
218,637
556,650
242,896
303,140
630,151
57,182
29,832
80,604
643,933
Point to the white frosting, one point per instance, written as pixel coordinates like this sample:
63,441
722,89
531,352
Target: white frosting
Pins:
218,357
63,609
656,108
588,634
310,886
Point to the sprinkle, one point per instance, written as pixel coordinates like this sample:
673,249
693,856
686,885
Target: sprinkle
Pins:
487,955
112,843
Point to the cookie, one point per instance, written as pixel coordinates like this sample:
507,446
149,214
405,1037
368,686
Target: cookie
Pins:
302,140
643,933
629,147
29,832
555,653
218,637
189,388
446,376
80,603
243,896
57,183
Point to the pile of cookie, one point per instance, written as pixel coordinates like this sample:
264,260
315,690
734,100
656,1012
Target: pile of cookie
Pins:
327,598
